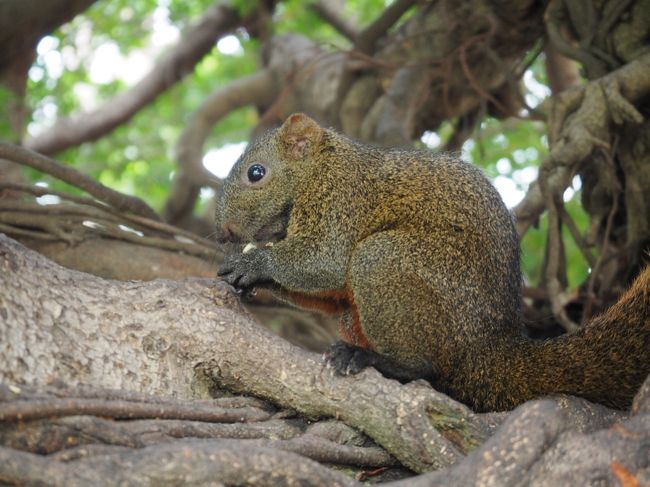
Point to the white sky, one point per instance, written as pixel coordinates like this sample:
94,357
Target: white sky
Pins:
220,161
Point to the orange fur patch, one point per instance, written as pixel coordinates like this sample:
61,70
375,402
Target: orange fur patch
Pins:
329,302
354,334
333,303
624,476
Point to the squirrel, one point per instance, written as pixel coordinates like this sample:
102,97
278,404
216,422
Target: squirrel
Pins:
418,254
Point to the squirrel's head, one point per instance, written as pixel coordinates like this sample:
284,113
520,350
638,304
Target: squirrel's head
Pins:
255,202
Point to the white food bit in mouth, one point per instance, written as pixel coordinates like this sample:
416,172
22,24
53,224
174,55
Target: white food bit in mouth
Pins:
250,246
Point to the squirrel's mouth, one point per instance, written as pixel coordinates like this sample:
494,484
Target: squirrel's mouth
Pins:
232,232
276,229
270,233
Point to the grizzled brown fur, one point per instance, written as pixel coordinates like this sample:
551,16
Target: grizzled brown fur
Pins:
419,255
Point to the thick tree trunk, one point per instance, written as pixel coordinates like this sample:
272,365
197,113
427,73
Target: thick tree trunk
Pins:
187,338
180,338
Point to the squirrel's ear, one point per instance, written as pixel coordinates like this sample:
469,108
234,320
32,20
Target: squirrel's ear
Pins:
300,134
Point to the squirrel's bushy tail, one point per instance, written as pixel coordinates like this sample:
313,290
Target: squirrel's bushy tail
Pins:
606,361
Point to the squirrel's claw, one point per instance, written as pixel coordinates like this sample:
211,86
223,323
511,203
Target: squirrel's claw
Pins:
346,359
243,271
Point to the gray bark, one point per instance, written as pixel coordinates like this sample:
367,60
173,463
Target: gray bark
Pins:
188,338
180,338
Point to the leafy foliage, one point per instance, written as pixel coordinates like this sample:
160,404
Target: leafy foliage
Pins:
5,127
136,158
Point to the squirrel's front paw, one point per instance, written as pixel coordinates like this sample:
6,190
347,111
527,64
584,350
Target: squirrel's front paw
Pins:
347,359
245,270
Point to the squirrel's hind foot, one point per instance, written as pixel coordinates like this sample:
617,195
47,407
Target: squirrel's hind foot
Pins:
347,359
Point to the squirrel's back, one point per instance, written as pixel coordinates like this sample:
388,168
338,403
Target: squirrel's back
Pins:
456,217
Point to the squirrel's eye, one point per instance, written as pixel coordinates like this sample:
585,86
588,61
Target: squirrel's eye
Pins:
256,172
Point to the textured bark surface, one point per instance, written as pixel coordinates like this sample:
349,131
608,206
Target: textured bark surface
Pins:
191,339
114,259
53,327
538,445
182,338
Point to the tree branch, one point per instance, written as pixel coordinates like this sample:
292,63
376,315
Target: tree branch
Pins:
330,11
168,337
122,202
172,67
24,23
195,462
141,223
248,420
594,106
28,410
93,237
554,272
369,35
562,71
56,435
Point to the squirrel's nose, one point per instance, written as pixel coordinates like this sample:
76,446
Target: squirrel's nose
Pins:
229,232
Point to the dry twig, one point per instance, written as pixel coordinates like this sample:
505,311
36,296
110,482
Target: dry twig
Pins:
129,204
